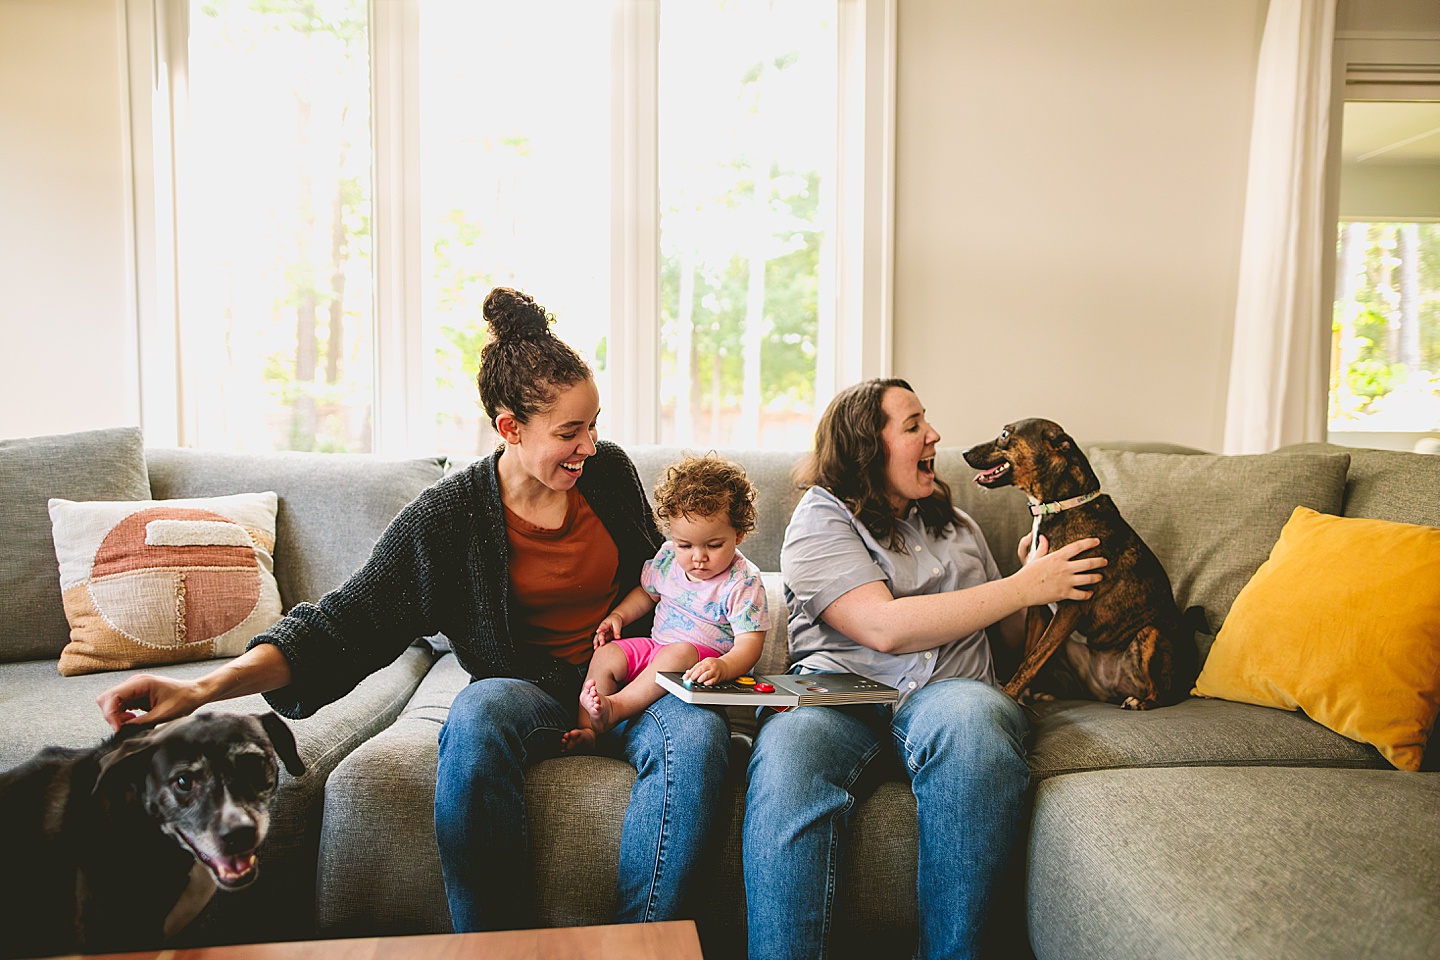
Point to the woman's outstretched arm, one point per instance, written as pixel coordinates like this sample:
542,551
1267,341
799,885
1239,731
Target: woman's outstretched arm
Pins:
146,698
871,616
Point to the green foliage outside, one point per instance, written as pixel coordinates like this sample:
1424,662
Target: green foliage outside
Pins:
1378,319
787,365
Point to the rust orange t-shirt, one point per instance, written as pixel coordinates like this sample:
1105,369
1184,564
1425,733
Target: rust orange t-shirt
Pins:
562,581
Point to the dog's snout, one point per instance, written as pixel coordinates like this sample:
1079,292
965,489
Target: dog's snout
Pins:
240,840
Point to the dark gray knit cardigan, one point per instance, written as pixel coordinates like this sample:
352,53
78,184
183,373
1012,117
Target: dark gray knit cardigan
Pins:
443,566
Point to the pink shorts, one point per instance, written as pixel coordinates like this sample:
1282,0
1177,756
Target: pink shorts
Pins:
639,651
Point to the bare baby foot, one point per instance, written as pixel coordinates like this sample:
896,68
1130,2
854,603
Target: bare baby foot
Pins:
597,705
579,740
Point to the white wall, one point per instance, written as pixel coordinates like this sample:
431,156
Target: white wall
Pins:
1070,198
66,341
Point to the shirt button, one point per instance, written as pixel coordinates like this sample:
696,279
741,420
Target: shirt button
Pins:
929,654
917,548
936,571
912,684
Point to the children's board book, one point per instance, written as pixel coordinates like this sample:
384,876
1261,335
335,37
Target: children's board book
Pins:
784,690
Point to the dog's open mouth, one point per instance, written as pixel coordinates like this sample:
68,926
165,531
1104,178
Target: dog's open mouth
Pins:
231,872
996,476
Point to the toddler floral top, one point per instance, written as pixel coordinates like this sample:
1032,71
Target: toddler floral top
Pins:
713,611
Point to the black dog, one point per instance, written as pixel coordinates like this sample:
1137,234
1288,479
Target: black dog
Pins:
118,847
1139,651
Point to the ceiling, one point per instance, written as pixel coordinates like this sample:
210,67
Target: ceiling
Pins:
1391,132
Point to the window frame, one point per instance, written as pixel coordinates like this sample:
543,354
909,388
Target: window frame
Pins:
1368,65
856,347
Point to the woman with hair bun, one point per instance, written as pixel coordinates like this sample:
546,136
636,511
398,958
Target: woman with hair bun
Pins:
515,559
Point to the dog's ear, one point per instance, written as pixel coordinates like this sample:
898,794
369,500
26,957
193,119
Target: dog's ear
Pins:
1062,441
122,747
283,741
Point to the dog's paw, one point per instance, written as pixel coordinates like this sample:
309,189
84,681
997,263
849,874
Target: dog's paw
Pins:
1028,698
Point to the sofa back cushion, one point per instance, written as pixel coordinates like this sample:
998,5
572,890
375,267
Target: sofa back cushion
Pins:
1387,484
1212,520
333,507
94,465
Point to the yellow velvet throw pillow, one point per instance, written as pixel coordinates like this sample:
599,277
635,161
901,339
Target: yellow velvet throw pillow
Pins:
1342,622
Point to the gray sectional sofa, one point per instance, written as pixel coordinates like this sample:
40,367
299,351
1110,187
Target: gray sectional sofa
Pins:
1207,829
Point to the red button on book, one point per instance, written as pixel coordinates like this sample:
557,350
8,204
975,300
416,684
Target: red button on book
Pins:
763,687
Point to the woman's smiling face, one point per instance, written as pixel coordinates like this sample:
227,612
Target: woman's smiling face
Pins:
555,444
909,442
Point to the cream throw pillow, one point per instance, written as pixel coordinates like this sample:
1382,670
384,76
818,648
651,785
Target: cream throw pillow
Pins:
163,581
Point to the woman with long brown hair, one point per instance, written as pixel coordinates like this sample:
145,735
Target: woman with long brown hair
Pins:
884,577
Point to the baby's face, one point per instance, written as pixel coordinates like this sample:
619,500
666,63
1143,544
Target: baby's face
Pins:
704,546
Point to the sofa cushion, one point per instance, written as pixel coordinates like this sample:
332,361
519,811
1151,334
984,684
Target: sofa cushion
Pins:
1080,735
333,507
1213,519
1342,622
164,581
1269,864
40,708
95,465
389,882
1386,484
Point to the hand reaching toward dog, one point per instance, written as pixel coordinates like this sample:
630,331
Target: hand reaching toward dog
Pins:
145,698
1051,577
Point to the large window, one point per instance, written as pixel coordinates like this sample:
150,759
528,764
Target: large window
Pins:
1385,354
747,168
1385,325
273,203
696,188
514,187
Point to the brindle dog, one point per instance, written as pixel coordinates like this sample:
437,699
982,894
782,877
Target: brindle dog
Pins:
1138,650
119,846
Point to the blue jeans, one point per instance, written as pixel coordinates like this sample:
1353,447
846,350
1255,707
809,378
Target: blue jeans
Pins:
960,742
499,727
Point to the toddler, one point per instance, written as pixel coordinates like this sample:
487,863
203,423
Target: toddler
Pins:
710,609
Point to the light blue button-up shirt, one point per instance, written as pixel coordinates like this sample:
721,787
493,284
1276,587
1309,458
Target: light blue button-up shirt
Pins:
828,552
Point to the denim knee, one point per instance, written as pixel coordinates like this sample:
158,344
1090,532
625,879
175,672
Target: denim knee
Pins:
503,716
959,717
697,737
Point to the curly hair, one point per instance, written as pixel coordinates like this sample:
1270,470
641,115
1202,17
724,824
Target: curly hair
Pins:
523,364
704,486
849,461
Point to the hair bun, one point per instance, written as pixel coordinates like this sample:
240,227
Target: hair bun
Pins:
513,315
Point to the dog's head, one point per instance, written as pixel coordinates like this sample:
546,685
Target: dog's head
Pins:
207,780
1037,456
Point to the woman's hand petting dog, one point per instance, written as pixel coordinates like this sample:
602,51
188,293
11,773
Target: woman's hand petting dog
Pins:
145,698
1047,572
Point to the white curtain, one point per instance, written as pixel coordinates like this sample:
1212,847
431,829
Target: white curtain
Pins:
1279,361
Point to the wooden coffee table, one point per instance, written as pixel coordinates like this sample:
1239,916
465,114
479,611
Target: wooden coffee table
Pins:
672,940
